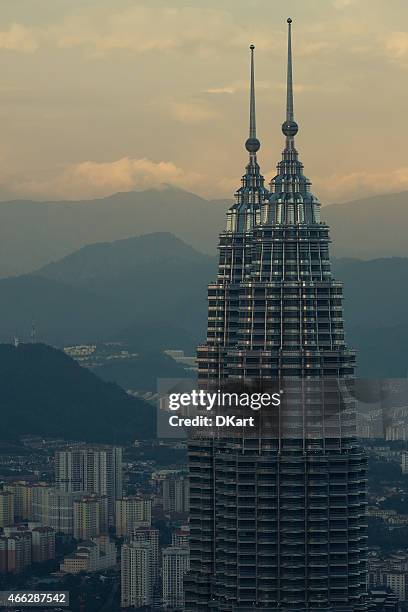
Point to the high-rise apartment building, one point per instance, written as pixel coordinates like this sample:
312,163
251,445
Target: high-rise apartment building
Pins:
95,469
136,575
18,539
397,581
15,552
131,512
404,462
175,564
90,514
39,503
150,535
175,493
28,499
22,492
43,544
6,509
54,508
277,512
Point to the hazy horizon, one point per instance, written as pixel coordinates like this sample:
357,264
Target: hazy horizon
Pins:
163,187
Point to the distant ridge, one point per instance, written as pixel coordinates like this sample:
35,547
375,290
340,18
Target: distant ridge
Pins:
120,257
149,291
33,234
369,228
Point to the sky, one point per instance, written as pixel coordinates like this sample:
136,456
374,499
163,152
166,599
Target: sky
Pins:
100,96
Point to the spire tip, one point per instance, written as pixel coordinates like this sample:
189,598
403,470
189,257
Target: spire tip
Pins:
252,145
289,126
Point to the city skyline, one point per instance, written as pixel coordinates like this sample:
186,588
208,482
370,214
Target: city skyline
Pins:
90,82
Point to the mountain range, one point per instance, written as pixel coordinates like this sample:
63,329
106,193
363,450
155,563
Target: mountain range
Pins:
33,234
369,228
150,292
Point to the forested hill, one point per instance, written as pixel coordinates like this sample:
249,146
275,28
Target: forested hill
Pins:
44,392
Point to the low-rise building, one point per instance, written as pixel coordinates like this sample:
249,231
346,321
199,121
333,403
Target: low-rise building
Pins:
180,537
382,599
95,555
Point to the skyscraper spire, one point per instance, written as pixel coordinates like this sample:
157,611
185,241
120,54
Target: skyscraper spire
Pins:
245,213
290,199
289,92
252,145
289,127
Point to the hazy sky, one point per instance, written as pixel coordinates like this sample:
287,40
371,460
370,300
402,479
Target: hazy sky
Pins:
98,96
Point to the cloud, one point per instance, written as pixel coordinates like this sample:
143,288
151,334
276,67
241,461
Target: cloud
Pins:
341,4
300,88
18,38
338,188
311,48
90,179
147,28
397,45
191,112
221,90
239,86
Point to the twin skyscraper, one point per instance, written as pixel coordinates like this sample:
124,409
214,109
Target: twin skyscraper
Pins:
278,514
